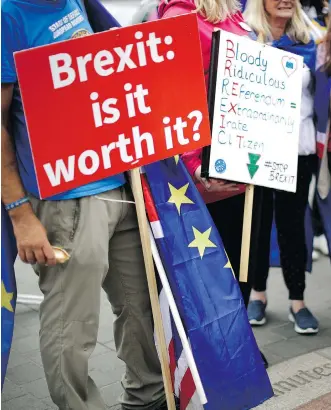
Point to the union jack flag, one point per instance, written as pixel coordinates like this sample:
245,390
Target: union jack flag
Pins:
181,376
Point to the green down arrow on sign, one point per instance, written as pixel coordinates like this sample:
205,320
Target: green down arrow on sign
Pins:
252,167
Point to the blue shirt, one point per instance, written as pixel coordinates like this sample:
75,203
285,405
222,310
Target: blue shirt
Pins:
32,23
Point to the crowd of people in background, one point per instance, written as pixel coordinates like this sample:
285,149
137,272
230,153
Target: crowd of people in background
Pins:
119,267
292,26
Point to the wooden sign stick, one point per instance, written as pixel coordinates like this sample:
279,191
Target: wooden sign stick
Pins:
246,233
151,280
247,223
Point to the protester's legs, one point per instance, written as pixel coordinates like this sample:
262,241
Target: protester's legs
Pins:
318,229
228,218
290,220
257,219
127,290
69,314
262,258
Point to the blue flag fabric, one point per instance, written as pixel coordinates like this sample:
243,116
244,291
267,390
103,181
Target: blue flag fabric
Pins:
322,111
324,207
243,4
206,292
99,17
8,289
307,51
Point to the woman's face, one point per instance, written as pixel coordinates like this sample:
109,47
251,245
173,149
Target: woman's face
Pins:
280,9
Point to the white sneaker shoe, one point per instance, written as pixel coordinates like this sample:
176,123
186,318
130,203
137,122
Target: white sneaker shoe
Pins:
321,244
315,256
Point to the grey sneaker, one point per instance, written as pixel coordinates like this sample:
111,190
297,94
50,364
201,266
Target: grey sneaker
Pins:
304,322
256,312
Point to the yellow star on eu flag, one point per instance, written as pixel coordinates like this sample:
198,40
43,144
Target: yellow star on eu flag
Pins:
228,264
178,196
176,157
6,298
202,241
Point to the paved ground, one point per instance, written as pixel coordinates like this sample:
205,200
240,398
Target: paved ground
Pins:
25,385
323,403
301,381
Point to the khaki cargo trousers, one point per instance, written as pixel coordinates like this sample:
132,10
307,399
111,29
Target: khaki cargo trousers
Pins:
103,240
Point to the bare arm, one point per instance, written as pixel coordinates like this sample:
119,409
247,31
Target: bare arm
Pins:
11,185
31,237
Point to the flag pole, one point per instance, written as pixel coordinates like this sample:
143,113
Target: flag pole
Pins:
178,322
152,287
246,233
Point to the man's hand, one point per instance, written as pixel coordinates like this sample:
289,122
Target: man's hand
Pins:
31,237
215,185
32,242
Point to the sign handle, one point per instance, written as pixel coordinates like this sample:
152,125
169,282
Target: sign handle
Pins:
152,286
247,223
246,233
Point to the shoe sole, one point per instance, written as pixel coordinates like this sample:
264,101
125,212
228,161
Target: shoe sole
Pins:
254,322
299,330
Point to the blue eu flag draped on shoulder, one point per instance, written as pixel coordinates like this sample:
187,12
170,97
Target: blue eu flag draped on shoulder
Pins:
206,292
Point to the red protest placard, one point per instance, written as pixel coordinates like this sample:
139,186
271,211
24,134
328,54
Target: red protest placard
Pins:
103,104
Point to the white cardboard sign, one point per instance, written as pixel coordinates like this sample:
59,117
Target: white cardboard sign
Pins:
255,133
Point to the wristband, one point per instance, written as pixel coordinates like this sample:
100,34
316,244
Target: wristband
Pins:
17,203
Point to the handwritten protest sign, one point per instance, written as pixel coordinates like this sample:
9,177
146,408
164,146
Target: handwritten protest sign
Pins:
256,114
103,104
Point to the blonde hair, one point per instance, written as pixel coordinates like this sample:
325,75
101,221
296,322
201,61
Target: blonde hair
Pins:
217,10
256,17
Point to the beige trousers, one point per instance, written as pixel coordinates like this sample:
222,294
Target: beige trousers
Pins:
103,240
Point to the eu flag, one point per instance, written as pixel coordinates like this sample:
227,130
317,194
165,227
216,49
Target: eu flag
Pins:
8,288
206,293
243,4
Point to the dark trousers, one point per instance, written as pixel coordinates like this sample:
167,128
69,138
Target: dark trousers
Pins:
318,228
228,216
289,209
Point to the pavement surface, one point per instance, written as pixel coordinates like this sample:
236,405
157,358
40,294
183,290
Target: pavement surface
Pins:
323,403
293,358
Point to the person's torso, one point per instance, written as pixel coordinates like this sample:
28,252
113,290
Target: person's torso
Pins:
307,132
235,25
43,22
